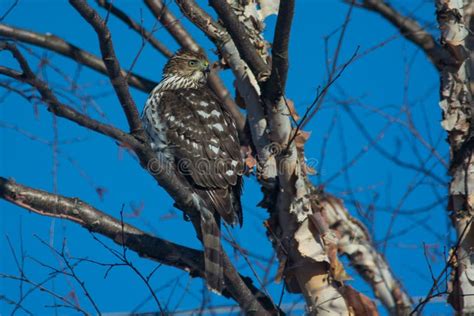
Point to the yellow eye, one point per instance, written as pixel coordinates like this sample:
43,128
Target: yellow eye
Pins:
192,63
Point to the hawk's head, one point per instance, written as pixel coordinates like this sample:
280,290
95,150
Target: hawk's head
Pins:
188,66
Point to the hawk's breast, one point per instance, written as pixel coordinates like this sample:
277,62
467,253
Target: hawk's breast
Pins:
191,126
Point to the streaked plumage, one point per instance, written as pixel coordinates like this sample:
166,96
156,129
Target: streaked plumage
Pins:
188,123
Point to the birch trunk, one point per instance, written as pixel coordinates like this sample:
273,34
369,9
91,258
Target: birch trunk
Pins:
456,104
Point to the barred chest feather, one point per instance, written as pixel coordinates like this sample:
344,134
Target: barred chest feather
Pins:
154,126
188,125
153,121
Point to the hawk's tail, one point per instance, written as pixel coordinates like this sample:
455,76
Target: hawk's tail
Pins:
212,254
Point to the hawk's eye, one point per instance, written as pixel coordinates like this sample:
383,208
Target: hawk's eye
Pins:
193,63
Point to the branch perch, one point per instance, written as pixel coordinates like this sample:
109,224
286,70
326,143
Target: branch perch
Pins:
144,244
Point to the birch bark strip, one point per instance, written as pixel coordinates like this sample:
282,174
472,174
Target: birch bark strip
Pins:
457,107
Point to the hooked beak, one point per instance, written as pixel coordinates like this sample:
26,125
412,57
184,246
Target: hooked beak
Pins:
206,68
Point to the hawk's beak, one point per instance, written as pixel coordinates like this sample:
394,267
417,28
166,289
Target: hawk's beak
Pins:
206,67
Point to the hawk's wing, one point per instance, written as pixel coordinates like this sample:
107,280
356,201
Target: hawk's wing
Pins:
204,141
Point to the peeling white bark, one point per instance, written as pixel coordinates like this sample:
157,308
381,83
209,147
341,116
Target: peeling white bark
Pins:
457,106
297,244
355,243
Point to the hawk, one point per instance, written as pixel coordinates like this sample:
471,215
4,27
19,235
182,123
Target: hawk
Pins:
188,125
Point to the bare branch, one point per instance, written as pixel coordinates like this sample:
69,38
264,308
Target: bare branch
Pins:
67,302
355,243
96,221
172,24
60,109
117,78
274,87
432,291
314,107
213,30
124,17
333,70
70,271
235,28
60,46
392,157
9,10
412,31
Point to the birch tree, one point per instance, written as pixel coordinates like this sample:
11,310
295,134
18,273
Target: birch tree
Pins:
309,228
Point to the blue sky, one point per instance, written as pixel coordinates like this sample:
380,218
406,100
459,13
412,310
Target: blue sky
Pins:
392,78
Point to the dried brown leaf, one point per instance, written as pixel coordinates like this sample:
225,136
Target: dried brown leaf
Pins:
291,107
280,271
301,138
338,272
359,304
309,170
249,159
337,268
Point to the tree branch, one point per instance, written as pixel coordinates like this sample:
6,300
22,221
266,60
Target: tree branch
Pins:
60,46
117,78
412,31
60,109
274,87
238,33
355,243
125,18
213,30
172,24
144,244
96,221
